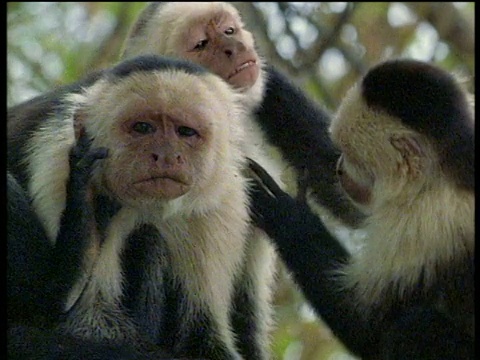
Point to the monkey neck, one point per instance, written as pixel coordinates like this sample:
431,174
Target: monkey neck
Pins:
253,96
412,240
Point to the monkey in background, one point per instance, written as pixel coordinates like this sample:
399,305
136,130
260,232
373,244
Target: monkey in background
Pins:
170,210
406,132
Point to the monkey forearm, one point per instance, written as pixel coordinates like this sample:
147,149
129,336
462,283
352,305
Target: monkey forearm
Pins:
313,255
299,128
77,220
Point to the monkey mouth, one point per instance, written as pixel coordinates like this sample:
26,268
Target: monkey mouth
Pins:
359,193
246,65
162,178
163,186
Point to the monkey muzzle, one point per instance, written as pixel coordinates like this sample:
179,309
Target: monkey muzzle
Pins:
359,193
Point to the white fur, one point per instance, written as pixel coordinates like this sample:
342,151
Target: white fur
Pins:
48,169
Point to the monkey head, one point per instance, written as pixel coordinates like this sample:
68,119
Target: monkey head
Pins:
170,133
210,34
405,126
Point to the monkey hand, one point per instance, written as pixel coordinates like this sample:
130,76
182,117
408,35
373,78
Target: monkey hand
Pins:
82,160
273,209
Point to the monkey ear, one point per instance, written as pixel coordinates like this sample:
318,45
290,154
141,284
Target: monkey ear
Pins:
412,153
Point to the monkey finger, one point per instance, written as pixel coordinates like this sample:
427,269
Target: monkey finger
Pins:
267,181
98,153
82,146
87,161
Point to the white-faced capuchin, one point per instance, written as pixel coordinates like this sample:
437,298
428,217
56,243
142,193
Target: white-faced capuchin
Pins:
406,132
154,189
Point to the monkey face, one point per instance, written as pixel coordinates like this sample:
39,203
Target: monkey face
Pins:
219,42
165,146
164,139
375,163
210,34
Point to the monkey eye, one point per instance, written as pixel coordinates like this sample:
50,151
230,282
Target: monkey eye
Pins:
201,44
186,131
143,128
230,31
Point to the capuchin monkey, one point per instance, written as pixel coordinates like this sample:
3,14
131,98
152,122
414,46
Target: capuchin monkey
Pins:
406,132
164,265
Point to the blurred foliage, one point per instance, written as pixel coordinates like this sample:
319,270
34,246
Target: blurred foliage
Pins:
324,47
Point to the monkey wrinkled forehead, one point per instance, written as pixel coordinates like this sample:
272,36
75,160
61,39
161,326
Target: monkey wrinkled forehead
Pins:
173,12
194,9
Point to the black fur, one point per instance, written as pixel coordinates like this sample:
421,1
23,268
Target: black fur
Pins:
148,63
27,271
34,343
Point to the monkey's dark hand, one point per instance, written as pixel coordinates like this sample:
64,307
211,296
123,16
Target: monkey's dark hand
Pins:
274,210
82,160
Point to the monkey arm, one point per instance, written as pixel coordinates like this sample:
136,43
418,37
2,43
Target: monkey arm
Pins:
310,253
77,219
299,128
